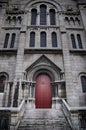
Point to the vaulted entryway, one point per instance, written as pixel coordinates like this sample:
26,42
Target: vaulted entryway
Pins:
43,92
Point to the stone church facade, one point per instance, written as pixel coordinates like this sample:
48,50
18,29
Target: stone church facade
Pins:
43,39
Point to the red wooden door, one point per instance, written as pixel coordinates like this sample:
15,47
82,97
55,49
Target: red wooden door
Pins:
43,93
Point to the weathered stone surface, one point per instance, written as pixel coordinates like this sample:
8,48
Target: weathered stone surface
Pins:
40,119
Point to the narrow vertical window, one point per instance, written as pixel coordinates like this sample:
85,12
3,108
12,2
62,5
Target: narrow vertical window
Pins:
54,39
83,82
12,40
33,16
43,15
6,40
73,41
52,17
32,39
43,39
79,41
2,83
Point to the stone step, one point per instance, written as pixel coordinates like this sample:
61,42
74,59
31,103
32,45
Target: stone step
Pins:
44,119
42,127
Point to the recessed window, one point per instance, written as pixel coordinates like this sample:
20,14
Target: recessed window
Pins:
79,41
6,40
54,39
83,82
12,40
33,16
52,17
73,41
43,15
43,39
2,83
32,39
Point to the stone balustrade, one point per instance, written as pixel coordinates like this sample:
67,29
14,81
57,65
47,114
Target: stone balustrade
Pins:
15,115
76,116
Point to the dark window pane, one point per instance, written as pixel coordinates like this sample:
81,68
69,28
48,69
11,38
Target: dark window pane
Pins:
73,41
52,17
79,41
6,40
2,83
33,16
12,40
32,39
83,81
43,15
54,39
43,39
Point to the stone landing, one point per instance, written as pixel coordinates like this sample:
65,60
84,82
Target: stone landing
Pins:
44,119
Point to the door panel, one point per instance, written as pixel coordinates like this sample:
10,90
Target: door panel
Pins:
43,94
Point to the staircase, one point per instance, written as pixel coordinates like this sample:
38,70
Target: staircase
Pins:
43,119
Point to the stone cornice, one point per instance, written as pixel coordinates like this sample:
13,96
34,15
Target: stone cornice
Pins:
8,51
71,12
15,11
43,51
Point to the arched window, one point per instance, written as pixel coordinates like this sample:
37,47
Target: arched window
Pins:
6,40
2,83
33,16
32,39
12,40
73,41
54,39
79,41
43,15
67,21
83,82
52,17
43,39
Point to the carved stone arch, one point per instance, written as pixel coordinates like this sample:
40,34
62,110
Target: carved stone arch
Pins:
46,65
54,3
43,70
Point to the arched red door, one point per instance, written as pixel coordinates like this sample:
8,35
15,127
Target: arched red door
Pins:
43,93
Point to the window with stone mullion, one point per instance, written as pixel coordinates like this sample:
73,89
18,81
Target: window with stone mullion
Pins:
6,40
43,39
52,17
83,81
73,41
79,41
32,39
54,39
12,40
33,16
43,15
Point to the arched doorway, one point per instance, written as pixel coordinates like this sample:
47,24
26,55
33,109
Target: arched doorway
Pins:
43,91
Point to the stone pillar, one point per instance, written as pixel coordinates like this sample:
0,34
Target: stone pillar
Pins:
75,121
20,92
20,56
70,88
72,97
19,62
38,16
83,15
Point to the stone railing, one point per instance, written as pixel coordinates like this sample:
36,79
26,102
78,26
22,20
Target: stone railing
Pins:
13,115
76,116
